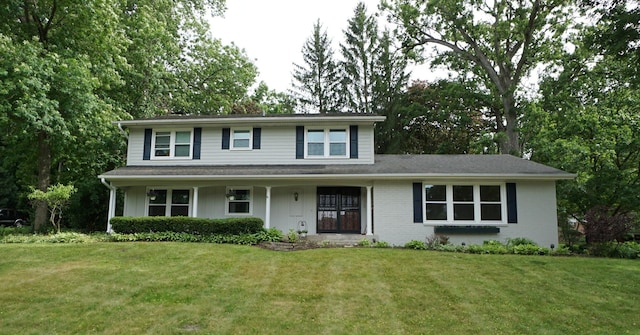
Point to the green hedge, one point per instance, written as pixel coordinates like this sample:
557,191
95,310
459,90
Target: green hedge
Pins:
184,224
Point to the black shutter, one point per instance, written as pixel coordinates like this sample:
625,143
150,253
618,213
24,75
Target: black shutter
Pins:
226,136
299,142
353,139
197,142
146,152
257,132
417,202
512,207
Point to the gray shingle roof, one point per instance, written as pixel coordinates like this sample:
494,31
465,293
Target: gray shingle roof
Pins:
386,166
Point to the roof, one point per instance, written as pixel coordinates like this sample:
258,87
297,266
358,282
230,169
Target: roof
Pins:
385,167
266,120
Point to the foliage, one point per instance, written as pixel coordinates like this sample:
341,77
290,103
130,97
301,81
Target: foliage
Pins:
416,245
602,224
183,224
629,249
494,44
292,236
316,82
56,198
364,242
445,117
381,244
67,237
435,240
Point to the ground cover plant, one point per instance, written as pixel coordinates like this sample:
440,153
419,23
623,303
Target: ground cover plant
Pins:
196,288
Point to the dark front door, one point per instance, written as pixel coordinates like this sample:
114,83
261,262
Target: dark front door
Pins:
339,210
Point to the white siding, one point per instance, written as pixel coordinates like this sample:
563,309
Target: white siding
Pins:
536,204
278,146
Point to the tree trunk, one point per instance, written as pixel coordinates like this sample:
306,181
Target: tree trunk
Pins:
511,143
44,179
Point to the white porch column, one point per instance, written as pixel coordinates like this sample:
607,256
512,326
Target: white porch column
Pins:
194,211
112,204
369,212
267,214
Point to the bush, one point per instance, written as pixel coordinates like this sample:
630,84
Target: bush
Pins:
183,224
364,242
416,245
601,224
512,242
381,244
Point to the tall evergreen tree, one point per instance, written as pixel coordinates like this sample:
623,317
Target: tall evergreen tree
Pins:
359,60
316,81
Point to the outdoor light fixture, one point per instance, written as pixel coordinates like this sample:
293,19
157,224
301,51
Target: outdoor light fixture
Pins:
552,246
152,195
295,196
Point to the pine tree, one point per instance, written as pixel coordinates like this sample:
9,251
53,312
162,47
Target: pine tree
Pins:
315,83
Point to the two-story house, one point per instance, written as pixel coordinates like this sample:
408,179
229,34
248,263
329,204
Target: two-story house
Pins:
319,173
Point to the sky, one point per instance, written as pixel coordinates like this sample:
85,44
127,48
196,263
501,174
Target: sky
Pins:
273,32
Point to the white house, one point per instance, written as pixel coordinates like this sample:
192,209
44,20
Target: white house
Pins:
318,172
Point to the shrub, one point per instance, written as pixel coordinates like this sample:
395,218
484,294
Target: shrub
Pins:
292,236
416,245
381,244
601,224
364,242
436,240
512,242
183,224
529,249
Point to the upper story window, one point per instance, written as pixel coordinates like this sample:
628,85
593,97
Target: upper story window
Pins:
172,144
326,143
464,204
241,138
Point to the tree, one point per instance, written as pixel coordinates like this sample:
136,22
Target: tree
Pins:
316,82
438,118
359,60
56,198
499,42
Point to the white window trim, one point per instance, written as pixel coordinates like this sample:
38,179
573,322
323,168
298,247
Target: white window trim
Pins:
327,143
167,206
226,200
476,205
172,144
232,132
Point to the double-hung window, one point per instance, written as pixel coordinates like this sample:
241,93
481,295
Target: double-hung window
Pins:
239,200
241,139
172,144
326,142
168,202
464,204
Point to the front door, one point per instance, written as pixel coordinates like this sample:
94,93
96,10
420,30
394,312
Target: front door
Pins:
339,210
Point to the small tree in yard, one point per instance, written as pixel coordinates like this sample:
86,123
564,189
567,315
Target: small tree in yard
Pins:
601,224
56,197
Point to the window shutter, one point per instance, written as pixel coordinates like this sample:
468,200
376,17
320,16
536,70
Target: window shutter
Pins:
353,139
146,152
417,203
197,142
226,136
299,142
512,208
257,132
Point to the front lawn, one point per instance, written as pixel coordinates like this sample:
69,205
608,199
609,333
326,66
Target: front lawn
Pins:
193,288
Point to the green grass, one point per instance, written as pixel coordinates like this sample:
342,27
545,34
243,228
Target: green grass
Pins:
182,288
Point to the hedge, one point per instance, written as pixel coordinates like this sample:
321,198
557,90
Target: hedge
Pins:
184,224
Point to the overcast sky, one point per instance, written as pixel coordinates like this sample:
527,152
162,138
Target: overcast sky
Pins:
273,32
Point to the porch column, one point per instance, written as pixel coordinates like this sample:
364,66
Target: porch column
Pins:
112,203
194,211
369,212
267,214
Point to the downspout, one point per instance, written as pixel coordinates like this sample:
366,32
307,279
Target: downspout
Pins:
112,203
124,133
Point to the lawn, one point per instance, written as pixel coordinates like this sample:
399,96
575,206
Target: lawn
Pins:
182,288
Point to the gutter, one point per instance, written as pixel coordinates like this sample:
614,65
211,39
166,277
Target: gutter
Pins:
124,133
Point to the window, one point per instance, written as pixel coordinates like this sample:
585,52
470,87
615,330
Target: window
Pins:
326,143
172,144
241,139
168,202
464,203
239,201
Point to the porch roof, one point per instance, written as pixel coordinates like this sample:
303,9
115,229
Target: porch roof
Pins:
498,167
